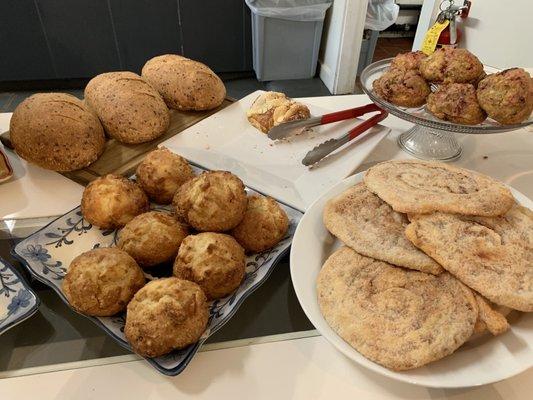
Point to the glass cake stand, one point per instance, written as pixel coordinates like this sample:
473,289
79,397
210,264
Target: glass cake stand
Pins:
430,138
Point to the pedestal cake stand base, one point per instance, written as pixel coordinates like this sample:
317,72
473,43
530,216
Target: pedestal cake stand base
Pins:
430,144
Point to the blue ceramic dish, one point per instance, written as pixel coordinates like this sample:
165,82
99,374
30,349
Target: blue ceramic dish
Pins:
17,301
48,252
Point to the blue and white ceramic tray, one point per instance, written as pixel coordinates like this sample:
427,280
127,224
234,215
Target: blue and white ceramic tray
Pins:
48,252
17,300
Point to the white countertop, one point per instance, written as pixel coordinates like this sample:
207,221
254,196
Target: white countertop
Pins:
305,368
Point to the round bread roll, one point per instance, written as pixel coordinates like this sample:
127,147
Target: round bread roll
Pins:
101,282
450,65
263,226
166,314
456,102
214,261
213,201
161,173
184,84
152,238
56,131
112,201
130,109
507,96
404,88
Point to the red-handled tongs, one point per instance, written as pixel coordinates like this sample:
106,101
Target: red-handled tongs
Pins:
287,129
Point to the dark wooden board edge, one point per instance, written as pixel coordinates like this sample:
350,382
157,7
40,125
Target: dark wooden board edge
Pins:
85,176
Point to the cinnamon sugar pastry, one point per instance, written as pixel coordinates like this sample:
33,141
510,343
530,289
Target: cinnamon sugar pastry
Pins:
421,187
371,227
493,257
399,318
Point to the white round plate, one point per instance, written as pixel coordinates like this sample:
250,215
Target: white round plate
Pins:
479,362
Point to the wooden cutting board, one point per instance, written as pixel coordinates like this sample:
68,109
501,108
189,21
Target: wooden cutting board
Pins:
120,158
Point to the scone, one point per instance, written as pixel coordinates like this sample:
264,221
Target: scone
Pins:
273,108
102,281
161,173
214,261
112,201
408,61
450,65
166,314
456,102
507,96
404,88
184,84
263,226
213,201
56,131
152,238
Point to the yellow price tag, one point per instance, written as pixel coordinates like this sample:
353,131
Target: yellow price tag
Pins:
432,37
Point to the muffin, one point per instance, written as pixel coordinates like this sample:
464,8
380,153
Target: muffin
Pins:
161,173
403,88
507,96
213,201
112,201
166,314
102,281
130,109
214,261
56,131
152,238
263,226
274,108
450,65
408,61
456,102
184,84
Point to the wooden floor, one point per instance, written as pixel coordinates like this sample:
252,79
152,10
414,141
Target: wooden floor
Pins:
390,47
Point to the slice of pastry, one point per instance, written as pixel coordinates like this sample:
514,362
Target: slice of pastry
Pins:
273,108
371,227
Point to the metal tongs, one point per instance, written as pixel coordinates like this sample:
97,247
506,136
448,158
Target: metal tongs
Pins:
288,129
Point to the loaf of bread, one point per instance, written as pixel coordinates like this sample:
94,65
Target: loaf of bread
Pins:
130,109
184,84
56,131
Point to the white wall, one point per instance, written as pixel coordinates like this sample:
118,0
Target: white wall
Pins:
341,45
498,32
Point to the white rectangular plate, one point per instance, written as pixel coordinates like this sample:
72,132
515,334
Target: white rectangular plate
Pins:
226,140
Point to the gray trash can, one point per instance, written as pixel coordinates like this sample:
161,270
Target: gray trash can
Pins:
286,37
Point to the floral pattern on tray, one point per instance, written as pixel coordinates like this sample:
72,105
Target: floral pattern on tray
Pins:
17,300
48,252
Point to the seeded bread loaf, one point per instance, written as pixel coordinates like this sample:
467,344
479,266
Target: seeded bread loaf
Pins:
130,109
56,131
184,84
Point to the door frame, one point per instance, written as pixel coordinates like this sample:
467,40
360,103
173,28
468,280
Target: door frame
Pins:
343,36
